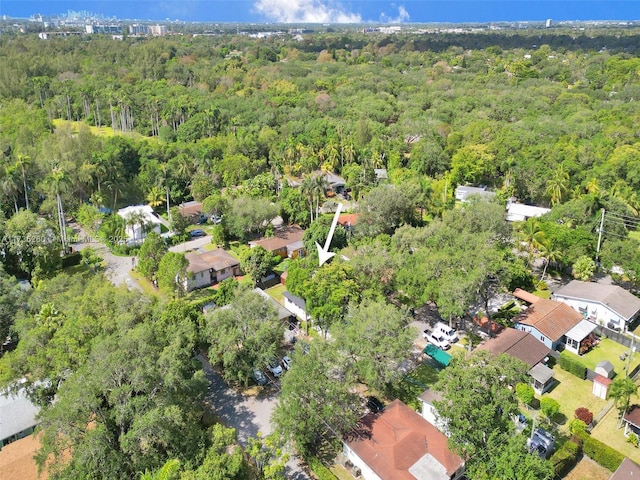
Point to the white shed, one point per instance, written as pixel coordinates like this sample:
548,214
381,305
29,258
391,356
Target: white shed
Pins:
601,386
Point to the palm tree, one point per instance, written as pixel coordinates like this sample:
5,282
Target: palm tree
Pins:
9,183
307,190
57,181
164,168
319,186
620,391
531,233
557,185
155,196
23,162
168,471
550,253
133,219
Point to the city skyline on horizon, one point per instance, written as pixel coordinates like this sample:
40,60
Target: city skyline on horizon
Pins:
335,11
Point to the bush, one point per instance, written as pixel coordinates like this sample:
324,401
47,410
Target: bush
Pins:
322,472
584,414
633,439
525,393
565,458
577,427
601,453
573,366
549,407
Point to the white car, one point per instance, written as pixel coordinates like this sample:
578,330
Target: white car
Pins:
275,368
438,340
446,331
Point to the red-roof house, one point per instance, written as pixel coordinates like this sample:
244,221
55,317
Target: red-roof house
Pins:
548,321
398,444
286,242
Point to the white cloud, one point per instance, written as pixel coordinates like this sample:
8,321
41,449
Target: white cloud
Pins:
403,16
305,11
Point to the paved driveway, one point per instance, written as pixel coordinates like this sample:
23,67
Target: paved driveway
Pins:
191,244
248,415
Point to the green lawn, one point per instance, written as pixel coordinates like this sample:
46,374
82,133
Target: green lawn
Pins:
571,393
607,349
145,284
276,292
607,431
416,383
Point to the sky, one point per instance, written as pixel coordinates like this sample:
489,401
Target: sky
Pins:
335,11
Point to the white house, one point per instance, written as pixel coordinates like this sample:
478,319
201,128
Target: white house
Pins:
210,267
428,411
398,444
518,212
17,416
296,305
140,220
608,305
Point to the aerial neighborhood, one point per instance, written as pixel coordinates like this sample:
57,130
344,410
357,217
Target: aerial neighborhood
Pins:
319,253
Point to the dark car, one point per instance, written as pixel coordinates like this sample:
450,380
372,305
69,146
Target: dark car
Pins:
197,233
259,377
374,404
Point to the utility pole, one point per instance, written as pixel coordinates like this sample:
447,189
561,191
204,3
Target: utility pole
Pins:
600,237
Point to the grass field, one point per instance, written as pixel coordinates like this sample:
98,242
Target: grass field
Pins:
607,431
97,131
587,469
607,349
276,292
571,393
414,384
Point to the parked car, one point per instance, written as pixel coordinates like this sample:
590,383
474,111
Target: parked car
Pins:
286,362
259,377
446,331
274,367
198,232
216,219
541,442
437,339
375,405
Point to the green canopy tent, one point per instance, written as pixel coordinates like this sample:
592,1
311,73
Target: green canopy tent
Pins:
439,355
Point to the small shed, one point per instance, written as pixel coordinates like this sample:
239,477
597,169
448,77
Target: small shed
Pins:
605,368
601,386
542,378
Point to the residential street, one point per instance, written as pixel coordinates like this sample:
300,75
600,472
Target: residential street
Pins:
248,415
116,268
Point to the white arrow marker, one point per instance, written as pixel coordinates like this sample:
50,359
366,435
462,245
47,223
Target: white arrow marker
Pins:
323,253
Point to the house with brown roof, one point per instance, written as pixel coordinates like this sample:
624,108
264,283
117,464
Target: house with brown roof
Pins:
608,305
398,444
548,321
210,267
632,421
286,242
627,470
523,346
192,210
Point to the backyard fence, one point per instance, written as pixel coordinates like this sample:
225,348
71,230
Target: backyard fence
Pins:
617,337
600,415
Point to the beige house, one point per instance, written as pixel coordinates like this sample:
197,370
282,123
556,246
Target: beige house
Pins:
209,268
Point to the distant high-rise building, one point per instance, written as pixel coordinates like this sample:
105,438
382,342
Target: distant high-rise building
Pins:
138,29
548,23
157,30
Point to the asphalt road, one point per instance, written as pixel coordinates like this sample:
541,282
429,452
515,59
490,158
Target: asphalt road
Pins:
191,244
247,414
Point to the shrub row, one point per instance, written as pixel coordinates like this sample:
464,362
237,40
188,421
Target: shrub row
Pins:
573,366
601,453
322,472
565,458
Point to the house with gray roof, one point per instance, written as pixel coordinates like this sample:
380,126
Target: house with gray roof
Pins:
609,305
18,416
463,192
